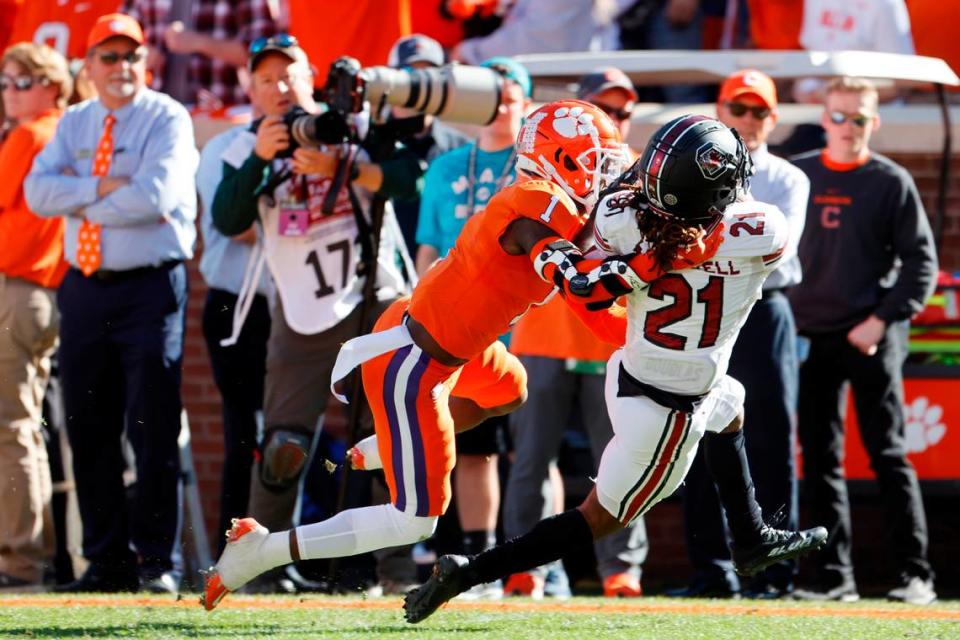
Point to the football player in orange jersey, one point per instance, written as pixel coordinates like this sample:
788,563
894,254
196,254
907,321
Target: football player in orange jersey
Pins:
433,364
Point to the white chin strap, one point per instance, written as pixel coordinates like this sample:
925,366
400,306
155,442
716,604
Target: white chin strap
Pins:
547,171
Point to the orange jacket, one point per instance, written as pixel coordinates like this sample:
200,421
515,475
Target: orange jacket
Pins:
31,247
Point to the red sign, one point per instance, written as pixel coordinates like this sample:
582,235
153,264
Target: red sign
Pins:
932,413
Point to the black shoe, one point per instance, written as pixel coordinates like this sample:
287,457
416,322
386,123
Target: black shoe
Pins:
776,545
844,592
765,590
270,582
97,580
914,590
445,582
13,584
159,581
701,587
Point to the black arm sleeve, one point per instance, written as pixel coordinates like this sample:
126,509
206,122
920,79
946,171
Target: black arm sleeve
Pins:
913,244
234,207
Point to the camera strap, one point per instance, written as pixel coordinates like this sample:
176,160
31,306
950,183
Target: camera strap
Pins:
364,230
472,174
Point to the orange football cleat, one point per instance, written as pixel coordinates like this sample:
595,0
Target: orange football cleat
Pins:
238,564
524,584
622,585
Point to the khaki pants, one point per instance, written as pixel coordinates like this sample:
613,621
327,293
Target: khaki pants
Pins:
29,323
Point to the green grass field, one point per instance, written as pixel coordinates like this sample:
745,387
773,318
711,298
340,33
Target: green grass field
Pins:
589,618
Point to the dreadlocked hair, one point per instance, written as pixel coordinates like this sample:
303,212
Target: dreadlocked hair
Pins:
665,233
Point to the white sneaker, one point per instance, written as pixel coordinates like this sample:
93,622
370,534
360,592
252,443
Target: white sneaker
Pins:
915,590
487,591
239,563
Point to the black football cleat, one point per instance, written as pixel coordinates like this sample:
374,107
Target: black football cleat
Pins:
776,545
445,583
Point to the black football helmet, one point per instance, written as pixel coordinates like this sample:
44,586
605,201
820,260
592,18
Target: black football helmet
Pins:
692,169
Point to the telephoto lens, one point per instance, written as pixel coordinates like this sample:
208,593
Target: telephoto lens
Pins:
457,93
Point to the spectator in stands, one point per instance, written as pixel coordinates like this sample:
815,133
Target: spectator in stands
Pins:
433,138
928,18
541,26
612,92
315,263
764,360
239,366
363,29
120,169
836,25
196,46
8,14
458,184
566,364
678,24
35,84
775,24
60,24
869,263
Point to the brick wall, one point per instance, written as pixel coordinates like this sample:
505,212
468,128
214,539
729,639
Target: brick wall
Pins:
667,558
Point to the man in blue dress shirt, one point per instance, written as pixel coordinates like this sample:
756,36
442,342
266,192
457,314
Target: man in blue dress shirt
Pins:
121,168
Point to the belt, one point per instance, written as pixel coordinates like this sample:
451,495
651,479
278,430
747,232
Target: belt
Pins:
107,275
628,386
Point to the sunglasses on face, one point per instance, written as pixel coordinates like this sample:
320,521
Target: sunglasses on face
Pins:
616,114
859,119
737,109
282,40
22,83
110,58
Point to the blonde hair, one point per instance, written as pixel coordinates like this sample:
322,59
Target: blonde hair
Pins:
847,84
41,61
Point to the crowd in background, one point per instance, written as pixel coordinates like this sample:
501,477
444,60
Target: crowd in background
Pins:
103,202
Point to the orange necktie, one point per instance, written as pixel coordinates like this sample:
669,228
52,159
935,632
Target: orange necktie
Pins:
88,243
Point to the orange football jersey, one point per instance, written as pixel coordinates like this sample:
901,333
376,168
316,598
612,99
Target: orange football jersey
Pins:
61,24
476,292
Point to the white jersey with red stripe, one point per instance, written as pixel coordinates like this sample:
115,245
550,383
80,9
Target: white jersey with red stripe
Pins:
681,329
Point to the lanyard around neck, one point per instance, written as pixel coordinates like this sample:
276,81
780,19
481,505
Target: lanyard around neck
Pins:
472,174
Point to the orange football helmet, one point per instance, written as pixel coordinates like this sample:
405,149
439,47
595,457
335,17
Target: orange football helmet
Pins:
575,145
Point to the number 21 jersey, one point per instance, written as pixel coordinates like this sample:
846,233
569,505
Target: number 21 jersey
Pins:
682,328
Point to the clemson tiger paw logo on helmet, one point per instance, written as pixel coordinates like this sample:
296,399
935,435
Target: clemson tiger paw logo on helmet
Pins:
572,122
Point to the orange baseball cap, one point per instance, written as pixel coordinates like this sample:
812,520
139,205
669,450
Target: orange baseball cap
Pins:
749,81
113,25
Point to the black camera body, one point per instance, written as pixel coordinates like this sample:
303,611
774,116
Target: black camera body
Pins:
457,93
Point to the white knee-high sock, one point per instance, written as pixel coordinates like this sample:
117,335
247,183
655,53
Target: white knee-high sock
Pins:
360,530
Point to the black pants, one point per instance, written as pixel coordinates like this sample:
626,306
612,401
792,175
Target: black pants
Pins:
121,349
877,383
239,371
764,360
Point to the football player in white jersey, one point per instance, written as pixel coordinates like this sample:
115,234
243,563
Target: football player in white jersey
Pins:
667,387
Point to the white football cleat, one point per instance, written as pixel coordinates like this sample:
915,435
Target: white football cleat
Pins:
239,563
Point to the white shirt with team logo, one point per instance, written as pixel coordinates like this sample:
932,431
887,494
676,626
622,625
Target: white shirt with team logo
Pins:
860,25
313,257
682,327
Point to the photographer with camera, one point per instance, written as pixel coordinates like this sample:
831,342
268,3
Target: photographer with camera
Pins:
315,251
421,135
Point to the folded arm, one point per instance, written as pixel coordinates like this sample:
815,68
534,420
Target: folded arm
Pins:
155,190
52,189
